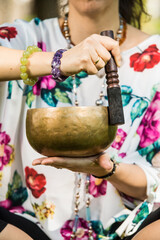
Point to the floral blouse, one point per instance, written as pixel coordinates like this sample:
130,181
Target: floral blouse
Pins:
45,194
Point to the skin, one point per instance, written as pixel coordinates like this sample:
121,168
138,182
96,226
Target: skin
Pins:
11,232
151,232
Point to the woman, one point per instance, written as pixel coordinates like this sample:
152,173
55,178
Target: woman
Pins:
119,203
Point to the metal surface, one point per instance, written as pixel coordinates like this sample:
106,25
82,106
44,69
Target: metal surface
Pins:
69,131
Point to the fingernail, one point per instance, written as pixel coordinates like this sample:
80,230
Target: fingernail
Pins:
119,63
36,162
46,162
109,165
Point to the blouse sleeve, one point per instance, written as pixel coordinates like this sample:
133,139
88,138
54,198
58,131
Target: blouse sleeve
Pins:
138,140
152,173
19,34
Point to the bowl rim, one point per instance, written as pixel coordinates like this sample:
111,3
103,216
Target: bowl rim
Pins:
67,107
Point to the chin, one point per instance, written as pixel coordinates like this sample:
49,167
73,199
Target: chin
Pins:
90,6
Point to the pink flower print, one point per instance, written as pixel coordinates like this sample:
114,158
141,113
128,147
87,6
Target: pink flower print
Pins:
5,149
7,204
122,155
119,140
17,209
149,129
81,233
42,45
46,82
97,187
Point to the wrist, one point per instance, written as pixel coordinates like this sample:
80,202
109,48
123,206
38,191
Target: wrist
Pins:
110,171
40,64
55,66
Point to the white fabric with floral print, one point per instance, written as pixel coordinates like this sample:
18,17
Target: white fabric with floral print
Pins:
51,190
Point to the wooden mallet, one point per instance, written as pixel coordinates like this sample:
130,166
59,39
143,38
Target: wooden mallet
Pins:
116,116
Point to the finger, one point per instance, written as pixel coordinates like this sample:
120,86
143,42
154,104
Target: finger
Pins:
84,63
74,164
101,51
62,162
96,59
105,162
116,53
88,65
37,161
111,45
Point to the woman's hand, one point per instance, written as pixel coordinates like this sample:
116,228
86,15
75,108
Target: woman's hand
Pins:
90,55
98,165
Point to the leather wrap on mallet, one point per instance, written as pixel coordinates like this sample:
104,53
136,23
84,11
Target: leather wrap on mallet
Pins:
116,116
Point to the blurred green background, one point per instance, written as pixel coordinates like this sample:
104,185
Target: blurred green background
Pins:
153,8
27,9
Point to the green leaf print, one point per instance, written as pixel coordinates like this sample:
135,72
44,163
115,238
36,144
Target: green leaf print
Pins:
61,96
19,196
150,156
138,108
48,97
146,150
126,89
10,85
142,213
150,151
16,192
154,89
97,227
67,85
27,89
30,98
126,94
121,218
16,182
78,81
126,98
82,74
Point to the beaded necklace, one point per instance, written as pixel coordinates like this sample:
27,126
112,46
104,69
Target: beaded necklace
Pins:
120,37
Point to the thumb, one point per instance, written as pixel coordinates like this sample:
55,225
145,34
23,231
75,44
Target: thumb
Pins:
105,162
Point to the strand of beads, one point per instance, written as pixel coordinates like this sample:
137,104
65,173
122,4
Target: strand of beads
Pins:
121,32
76,103
24,62
88,214
100,101
76,210
66,33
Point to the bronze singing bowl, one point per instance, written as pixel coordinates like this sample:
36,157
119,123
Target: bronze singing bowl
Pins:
69,131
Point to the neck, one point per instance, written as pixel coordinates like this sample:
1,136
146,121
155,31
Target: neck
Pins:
88,23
